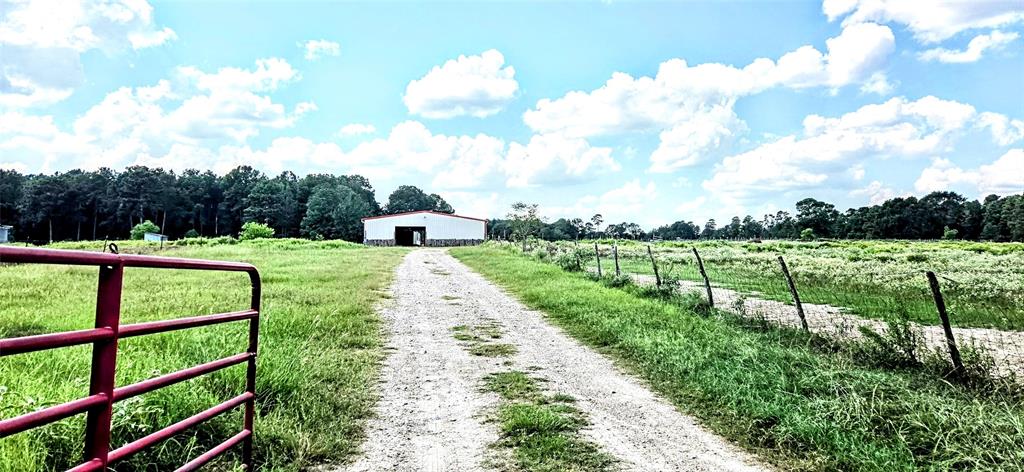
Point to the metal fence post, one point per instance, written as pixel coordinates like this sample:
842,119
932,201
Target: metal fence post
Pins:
796,296
250,373
940,305
615,253
104,361
707,282
597,253
654,264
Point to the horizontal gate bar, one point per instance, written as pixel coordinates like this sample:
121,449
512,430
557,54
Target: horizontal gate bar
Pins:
41,342
208,456
135,446
90,466
150,327
132,390
67,257
49,415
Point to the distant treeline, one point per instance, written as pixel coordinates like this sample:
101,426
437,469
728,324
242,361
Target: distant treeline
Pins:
106,204
935,216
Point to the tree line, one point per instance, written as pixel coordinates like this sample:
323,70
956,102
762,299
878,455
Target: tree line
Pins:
106,204
938,215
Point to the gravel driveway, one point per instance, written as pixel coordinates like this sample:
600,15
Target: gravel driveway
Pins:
432,413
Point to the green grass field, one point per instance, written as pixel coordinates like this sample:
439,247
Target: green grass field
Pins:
320,343
770,391
983,283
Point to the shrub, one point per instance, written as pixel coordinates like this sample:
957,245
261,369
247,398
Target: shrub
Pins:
807,234
948,233
191,234
140,230
569,261
254,230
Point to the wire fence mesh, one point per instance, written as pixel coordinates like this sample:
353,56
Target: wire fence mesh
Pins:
879,300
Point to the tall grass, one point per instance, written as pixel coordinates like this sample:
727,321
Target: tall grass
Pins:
798,406
319,347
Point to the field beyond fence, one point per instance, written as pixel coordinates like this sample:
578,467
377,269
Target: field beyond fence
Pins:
846,289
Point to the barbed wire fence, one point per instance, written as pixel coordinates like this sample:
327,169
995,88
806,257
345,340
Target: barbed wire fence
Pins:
896,317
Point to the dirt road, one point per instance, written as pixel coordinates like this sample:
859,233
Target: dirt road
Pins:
432,413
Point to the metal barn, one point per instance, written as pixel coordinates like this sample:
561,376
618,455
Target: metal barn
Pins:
423,228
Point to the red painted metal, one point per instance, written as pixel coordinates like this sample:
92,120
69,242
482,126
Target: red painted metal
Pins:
50,341
104,337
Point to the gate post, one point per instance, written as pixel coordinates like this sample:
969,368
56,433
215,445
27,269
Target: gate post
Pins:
250,373
104,360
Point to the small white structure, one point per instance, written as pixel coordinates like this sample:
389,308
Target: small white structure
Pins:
5,233
155,237
423,228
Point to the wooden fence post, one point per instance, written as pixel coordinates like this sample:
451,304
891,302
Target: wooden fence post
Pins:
597,253
657,276
579,263
707,283
940,305
615,253
796,296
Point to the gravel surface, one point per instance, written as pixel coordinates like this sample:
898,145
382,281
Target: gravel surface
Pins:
432,413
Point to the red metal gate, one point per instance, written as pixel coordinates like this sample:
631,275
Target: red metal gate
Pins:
102,392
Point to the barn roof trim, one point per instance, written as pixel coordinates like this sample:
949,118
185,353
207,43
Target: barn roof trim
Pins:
423,211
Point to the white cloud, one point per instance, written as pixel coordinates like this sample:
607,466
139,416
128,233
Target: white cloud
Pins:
41,43
355,129
876,193
692,106
1004,176
829,146
630,202
982,42
476,86
878,84
930,21
317,48
553,158
1005,131
173,121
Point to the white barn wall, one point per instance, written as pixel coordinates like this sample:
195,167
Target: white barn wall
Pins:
442,230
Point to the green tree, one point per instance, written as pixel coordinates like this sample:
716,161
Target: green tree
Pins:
524,222
254,230
335,212
139,231
408,198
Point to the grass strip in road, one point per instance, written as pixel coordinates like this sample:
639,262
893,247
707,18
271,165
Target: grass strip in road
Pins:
541,431
796,406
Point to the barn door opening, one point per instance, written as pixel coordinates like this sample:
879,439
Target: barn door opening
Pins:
410,235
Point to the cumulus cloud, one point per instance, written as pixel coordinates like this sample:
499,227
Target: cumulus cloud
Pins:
355,129
317,48
930,22
876,193
974,51
201,109
828,146
692,106
478,86
629,202
1005,131
1004,176
41,43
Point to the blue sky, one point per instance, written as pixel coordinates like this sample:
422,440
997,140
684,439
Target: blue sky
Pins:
646,112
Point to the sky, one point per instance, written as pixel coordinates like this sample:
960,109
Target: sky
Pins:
641,111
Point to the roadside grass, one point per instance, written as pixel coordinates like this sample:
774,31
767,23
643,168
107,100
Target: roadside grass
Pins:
798,406
320,345
542,431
